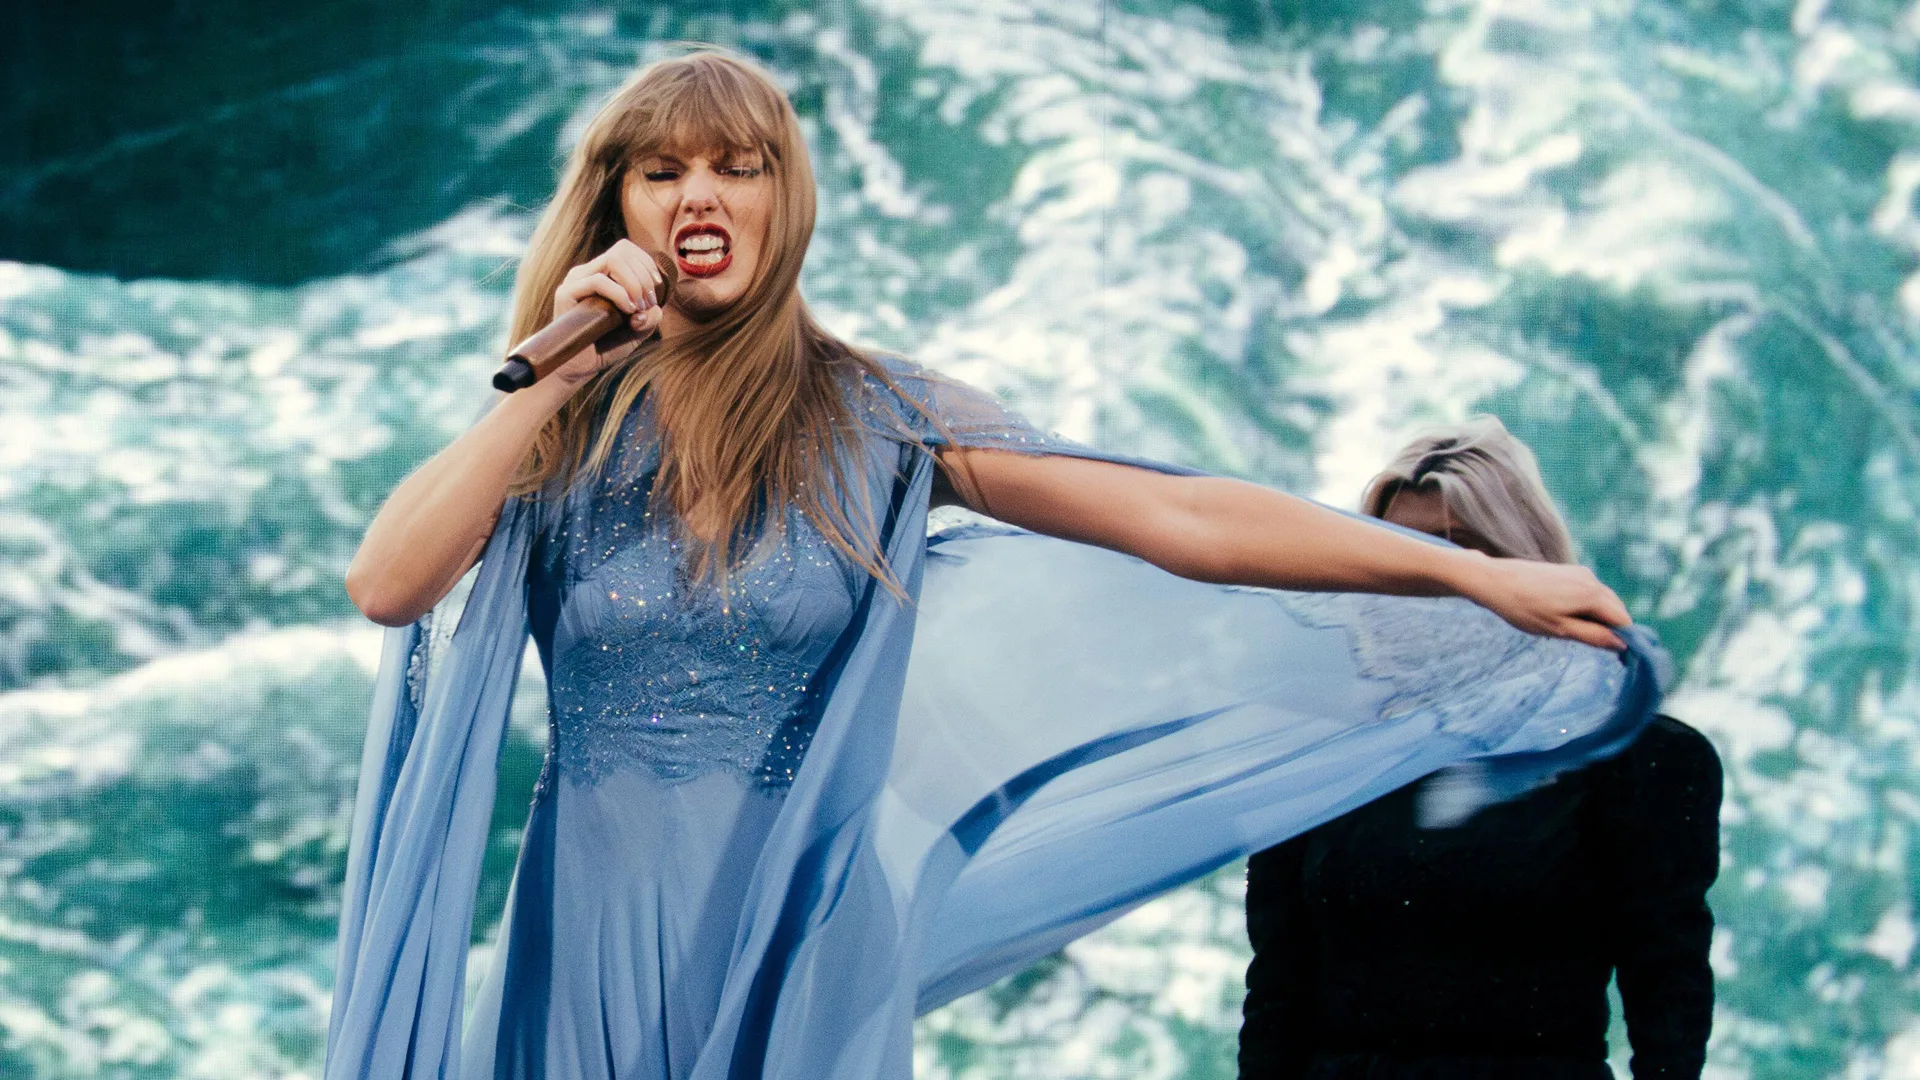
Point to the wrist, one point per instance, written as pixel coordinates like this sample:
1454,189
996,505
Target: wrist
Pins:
516,420
1463,572
538,403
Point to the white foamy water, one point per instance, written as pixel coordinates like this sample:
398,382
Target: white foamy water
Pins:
1674,249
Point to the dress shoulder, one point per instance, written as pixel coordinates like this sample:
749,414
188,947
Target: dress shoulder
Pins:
943,411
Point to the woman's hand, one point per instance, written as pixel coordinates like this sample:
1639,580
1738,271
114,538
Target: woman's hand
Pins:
437,522
1545,598
625,276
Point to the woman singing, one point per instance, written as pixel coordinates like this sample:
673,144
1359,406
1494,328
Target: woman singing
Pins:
809,773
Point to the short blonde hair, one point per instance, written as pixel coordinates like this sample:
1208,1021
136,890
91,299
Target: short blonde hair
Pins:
1489,482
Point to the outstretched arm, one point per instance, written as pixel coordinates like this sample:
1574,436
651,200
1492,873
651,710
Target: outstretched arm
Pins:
1232,532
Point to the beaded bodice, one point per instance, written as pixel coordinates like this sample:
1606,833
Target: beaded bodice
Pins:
648,668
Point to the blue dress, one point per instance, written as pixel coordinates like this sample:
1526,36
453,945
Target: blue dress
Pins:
772,830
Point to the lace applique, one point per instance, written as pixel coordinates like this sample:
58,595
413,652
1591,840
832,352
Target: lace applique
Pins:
417,663
1453,660
435,634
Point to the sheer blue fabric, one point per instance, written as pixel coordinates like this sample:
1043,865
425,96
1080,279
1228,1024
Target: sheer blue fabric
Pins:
771,831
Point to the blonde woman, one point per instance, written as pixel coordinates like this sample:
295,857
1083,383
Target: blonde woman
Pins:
809,774
1385,949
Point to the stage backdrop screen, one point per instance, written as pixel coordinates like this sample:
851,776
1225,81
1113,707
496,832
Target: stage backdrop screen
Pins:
257,264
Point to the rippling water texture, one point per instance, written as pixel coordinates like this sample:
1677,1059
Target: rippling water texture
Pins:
1671,244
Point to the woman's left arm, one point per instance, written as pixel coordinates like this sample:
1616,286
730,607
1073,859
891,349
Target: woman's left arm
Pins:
1233,532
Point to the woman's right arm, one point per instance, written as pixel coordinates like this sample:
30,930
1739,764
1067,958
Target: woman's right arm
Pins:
437,522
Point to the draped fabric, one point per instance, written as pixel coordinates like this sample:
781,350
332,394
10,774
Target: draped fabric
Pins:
420,826
1037,737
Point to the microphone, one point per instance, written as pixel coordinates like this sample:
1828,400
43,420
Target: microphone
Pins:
583,324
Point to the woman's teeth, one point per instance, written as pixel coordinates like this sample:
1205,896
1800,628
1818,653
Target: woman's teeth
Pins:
705,249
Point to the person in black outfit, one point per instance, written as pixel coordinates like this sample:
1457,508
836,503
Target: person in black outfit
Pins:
1384,950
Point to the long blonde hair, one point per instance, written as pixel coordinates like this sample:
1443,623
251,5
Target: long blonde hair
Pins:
1488,481
753,404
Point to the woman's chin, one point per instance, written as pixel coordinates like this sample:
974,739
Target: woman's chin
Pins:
704,301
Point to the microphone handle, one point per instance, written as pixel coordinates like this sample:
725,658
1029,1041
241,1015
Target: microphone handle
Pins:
557,342
584,324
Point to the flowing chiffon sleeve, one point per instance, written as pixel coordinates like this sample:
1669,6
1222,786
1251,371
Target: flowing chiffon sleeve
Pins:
420,823
1027,740
1081,731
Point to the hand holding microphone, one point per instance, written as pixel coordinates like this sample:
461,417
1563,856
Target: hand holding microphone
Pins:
609,304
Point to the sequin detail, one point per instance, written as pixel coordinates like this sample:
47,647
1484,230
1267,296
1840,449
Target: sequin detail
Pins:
652,670
1453,660
676,681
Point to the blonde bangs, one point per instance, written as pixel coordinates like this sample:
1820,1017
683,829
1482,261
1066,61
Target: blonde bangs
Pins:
704,108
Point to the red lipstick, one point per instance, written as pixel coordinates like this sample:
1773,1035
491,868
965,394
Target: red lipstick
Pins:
702,249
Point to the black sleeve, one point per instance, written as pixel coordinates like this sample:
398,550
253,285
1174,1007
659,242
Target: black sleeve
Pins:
1275,1033
1658,815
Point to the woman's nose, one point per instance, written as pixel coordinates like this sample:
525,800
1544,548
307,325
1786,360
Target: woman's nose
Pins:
700,191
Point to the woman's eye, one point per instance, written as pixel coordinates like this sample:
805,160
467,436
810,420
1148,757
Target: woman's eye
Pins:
741,170
661,174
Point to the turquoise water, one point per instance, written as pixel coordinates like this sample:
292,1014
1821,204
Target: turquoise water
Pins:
1672,244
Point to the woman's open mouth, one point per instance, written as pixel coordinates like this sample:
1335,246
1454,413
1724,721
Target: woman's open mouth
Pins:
702,250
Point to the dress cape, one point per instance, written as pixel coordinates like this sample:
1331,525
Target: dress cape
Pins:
1040,737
